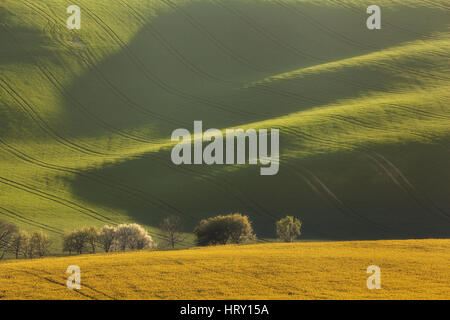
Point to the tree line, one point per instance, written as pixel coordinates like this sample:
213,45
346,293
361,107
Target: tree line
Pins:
224,229
120,238
21,243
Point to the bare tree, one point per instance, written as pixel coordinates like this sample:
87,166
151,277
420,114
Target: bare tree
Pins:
91,237
106,237
69,242
7,232
39,244
171,228
80,240
76,241
19,244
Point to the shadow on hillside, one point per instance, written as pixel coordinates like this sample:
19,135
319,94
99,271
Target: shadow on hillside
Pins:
13,52
193,62
13,37
341,196
191,65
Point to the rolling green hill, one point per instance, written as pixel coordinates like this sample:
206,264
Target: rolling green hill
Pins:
86,116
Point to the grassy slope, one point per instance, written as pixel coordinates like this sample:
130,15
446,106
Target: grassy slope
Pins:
328,270
86,116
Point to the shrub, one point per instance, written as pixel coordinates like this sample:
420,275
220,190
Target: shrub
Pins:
232,228
289,228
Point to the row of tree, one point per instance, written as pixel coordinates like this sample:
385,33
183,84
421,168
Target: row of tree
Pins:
21,243
233,228
121,238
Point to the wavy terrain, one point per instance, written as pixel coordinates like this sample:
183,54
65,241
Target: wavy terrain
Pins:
86,116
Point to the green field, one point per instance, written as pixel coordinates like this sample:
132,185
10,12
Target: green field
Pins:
86,116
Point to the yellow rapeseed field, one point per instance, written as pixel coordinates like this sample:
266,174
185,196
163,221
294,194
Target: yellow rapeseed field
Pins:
410,269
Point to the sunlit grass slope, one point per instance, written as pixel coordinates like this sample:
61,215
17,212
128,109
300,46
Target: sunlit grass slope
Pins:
410,269
86,116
